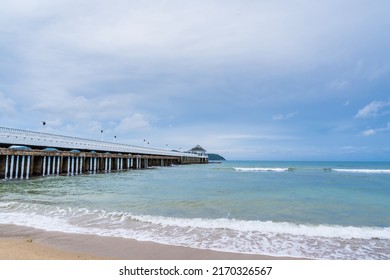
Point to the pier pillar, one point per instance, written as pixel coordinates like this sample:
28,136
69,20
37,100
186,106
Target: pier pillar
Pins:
72,166
68,167
44,166
48,165
57,168
17,167
59,161
6,167
77,166
81,165
28,167
11,167
54,166
95,165
22,168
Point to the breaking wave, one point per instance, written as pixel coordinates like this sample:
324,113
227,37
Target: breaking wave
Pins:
262,169
243,236
285,169
374,171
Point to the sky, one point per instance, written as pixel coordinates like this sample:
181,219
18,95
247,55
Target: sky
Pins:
248,79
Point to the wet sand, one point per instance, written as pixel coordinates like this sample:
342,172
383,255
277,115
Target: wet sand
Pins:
25,243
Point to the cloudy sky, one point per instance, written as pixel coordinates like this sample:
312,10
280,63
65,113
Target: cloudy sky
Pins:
249,79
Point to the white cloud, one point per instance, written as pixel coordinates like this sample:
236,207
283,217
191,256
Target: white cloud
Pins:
249,137
280,117
375,108
369,132
339,84
379,72
7,105
100,107
199,31
135,122
237,137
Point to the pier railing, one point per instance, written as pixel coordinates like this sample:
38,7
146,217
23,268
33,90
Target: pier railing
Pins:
32,138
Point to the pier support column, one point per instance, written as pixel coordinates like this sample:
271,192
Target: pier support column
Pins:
72,167
28,167
54,165
11,170
22,168
81,165
6,168
17,167
77,166
44,166
94,165
59,159
48,165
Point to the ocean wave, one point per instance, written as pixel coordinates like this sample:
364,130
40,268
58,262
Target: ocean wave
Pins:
241,236
102,216
262,169
254,237
325,169
374,171
272,227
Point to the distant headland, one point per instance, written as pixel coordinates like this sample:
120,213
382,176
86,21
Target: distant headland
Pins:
215,157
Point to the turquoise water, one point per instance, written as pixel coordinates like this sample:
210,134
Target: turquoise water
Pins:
323,210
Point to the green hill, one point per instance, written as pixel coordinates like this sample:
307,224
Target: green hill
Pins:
215,157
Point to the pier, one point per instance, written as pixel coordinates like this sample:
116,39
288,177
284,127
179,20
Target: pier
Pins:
25,154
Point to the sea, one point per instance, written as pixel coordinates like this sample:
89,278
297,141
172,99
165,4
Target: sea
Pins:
316,210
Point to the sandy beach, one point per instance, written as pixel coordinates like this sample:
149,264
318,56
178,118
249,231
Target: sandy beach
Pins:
25,243
26,249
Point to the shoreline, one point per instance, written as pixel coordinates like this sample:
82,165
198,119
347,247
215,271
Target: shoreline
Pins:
26,243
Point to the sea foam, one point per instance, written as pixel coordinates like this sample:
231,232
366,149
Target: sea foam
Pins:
78,216
261,169
231,235
374,171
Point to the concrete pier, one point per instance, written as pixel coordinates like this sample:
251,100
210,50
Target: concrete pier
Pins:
22,164
25,154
